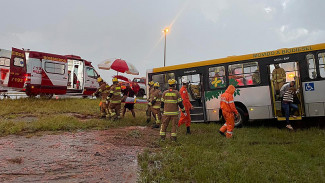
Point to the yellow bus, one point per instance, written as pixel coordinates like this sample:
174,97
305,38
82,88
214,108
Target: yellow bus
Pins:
256,78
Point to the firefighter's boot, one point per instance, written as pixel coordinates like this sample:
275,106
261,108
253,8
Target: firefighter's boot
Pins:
221,133
148,120
173,138
156,125
188,130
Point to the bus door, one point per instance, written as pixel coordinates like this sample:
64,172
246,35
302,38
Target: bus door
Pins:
281,74
17,69
196,95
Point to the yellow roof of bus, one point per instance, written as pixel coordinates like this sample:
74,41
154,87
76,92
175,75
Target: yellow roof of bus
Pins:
283,51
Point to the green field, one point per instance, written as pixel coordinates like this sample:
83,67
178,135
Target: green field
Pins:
257,153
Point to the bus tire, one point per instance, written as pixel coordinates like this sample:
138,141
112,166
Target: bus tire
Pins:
241,120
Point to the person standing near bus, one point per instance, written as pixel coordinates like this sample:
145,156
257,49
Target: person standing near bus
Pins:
103,90
170,101
278,78
148,111
287,104
188,106
155,104
115,100
228,110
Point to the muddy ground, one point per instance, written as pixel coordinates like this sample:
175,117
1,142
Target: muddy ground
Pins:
90,156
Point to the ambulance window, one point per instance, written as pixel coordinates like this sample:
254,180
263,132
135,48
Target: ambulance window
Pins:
7,62
91,73
54,68
217,77
311,66
19,62
321,61
2,61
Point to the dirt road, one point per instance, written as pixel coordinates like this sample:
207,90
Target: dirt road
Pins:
93,156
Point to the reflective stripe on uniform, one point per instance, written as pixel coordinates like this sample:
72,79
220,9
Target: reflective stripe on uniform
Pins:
158,100
170,94
228,102
156,107
171,101
179,100
162,133
171,113
174,134
117,93
115,101
117,88
229,132
162,100
225,124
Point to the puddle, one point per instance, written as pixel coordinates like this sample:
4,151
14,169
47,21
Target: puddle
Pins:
93,156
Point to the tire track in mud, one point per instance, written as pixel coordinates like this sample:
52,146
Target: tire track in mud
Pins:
90,156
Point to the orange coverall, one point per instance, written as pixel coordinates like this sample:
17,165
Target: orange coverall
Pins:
187,104
228,109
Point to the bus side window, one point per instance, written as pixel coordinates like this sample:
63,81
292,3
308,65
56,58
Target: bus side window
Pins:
311,66
244,74
321,61
217,77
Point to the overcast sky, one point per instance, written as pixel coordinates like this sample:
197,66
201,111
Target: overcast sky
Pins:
132,29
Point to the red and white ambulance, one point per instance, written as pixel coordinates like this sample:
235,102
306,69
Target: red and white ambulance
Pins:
46,74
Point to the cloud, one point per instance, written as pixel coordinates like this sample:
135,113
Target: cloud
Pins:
288,34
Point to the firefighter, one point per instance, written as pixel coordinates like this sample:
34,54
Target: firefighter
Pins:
148,111
188,106
278,78
228,110
154,103
103,90
170,101
115,100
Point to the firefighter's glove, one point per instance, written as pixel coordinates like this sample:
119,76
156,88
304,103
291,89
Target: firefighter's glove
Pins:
149,103
161,110
106,102
108,98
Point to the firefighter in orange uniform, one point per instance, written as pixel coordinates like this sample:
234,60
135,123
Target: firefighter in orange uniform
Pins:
115,100
155,104
188,106
228,110
170,101
103,90
148,111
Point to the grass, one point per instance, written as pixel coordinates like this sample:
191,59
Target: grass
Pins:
34,115
256,154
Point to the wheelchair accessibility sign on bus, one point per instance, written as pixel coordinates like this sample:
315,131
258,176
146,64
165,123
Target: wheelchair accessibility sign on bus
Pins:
309,87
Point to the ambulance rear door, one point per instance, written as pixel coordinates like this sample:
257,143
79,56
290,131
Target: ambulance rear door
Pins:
54,74
17,68
91,84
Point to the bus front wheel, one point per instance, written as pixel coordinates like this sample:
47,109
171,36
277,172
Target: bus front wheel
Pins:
239,121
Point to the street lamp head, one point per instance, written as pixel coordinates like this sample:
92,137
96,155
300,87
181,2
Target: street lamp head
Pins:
165,30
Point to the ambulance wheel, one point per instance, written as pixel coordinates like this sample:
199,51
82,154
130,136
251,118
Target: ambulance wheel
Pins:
46,95
241,119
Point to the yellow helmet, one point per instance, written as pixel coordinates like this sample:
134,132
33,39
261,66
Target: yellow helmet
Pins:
114,80
99,79
171,81
151,83
156,84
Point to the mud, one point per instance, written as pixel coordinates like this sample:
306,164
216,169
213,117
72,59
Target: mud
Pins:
93,156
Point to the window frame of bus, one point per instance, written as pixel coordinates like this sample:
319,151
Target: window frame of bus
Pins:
245,74
224,76
321,56
311,57
48,61
162,85
21,60
4,61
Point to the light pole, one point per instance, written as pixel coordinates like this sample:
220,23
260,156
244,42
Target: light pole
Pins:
165,32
